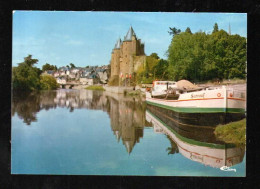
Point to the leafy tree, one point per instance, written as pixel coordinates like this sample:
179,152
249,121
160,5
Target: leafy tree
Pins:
25,76
174,31
29,61
47,66
201,57
188,30
48,82
215,28
146,73
161,70
72,65
155,55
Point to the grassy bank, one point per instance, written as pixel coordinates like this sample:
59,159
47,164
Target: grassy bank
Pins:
135,93
95,87
234,132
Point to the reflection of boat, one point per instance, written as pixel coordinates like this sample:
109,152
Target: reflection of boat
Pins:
192,99
208,153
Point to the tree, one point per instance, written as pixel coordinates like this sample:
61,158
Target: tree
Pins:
188,30
174,31
200,57
47,82
72,65
161,70
155,55
47,67
215,28
29,61
26,76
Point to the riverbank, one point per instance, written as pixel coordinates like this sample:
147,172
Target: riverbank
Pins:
234,132
95,87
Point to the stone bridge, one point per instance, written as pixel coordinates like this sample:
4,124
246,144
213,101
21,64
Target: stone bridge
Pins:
69,85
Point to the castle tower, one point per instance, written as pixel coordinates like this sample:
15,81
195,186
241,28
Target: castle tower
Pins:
115,58
127,55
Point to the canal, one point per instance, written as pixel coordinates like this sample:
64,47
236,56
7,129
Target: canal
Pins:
83,132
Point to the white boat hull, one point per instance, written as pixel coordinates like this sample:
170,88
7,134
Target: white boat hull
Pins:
218,100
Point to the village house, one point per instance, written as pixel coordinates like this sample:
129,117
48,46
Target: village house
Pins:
49,72
56,74
61,80
103,75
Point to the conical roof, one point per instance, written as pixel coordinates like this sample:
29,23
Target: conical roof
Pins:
129,34
118,44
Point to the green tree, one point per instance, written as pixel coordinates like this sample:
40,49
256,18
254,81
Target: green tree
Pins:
155,55
188,30
47,67
26,76
174,31
201,57
29,61
215,28
161,70
48,82
72,65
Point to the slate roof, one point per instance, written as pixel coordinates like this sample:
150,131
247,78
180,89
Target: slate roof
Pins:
118,44
50,72
129,34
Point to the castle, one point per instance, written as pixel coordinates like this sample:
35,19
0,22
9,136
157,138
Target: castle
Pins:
127,56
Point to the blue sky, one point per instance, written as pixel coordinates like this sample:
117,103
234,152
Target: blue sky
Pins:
87,38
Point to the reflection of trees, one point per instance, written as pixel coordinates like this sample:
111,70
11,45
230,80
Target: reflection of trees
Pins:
26,105
127,114
174,147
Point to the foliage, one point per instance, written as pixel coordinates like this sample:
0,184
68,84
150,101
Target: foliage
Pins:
155,55
174,31
48,82
215,28
72,65
188,30
47,66
25,76
95,87
29,61
234,132
200,56
154,68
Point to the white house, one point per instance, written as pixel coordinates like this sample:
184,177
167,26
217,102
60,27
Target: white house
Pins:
61,80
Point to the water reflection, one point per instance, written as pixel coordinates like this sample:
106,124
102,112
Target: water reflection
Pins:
127,114
203,147
128,118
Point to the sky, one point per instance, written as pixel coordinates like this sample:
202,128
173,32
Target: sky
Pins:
87,38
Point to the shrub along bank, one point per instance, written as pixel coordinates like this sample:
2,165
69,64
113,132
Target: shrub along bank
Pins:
234,132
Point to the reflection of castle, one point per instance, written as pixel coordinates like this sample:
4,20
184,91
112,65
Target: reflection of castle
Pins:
207,153
127,55
127,122
127,115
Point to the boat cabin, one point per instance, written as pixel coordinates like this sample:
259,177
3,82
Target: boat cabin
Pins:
163,85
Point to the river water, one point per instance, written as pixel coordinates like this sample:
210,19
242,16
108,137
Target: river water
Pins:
83,132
